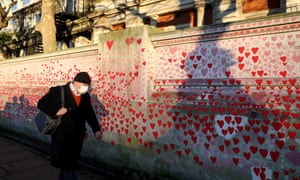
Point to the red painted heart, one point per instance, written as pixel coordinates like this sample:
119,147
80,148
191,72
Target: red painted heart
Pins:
109,44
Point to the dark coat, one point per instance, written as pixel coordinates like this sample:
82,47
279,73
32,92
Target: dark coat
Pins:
67,140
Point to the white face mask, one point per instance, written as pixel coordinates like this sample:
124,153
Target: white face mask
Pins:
83,89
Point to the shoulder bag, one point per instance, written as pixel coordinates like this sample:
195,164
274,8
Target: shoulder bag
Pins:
45,124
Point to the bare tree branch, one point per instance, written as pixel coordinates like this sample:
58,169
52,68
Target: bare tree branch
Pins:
4,18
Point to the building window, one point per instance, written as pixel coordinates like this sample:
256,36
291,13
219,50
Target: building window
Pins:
37,17
13,23
25,2
147,20
259,5
179,19
14,7
208,15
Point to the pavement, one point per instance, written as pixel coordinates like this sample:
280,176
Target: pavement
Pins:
19,161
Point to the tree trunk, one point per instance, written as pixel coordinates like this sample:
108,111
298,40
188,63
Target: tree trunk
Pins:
4,22
4,18
47,26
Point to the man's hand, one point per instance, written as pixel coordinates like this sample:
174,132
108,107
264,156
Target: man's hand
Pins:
61,111
98,135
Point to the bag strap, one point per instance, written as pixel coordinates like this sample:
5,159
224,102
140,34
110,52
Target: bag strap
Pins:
62,96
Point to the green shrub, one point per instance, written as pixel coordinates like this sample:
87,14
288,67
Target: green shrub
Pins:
4,37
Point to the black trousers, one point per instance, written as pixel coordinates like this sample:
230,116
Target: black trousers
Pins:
67,174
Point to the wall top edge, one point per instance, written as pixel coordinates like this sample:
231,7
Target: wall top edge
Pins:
72,52
274,20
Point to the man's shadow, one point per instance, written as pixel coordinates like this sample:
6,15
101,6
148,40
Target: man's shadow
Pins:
19,109
98,107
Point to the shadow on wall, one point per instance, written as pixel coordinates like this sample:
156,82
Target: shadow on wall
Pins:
99,108
211,112
212,115
19,110
226,117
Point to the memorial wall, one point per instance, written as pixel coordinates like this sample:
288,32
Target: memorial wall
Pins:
220,102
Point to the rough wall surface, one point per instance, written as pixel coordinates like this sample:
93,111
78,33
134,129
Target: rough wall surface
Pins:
217,103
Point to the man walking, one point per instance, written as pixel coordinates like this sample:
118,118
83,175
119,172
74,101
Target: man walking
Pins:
67,140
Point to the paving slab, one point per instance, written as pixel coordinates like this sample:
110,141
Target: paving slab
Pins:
21,162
